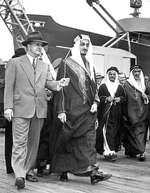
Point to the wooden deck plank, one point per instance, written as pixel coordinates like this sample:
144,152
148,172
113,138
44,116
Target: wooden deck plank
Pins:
129,176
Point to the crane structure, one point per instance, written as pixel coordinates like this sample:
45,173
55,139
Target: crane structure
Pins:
15,18
122,35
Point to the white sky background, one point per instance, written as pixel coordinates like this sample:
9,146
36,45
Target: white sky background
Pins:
72,13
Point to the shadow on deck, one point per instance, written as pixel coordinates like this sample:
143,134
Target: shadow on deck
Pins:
129,176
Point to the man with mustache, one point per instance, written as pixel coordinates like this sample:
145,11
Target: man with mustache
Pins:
136,114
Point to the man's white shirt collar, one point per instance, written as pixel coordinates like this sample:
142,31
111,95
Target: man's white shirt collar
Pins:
30,58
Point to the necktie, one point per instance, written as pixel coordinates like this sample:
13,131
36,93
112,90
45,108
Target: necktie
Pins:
34,63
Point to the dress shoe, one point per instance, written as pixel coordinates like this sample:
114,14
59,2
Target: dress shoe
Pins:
63,177
40,172
107,157
31,178
99,176
141,157
113,157
20,183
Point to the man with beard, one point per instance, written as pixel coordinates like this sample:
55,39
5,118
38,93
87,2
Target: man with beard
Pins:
136,114
76,108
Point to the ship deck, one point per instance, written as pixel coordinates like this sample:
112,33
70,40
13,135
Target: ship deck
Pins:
129,176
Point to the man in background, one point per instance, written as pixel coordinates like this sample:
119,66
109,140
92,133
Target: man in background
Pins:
111,95
122,78
136,114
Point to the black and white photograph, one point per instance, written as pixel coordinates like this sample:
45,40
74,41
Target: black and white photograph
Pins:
75,96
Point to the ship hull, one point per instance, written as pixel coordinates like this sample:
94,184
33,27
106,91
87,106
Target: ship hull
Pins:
61,37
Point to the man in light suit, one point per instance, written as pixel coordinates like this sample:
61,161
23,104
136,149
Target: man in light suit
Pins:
25,103
8,127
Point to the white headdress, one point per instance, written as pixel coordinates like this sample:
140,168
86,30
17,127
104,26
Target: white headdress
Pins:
140,87
76,56
112,86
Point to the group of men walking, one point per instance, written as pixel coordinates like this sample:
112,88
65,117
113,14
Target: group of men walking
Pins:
123,115
76,105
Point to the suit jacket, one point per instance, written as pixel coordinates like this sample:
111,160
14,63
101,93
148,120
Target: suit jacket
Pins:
25,88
